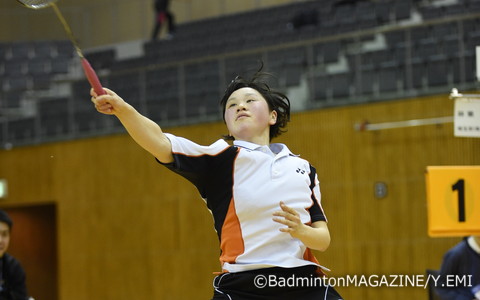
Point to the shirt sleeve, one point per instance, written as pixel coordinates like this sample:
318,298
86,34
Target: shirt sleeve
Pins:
192,161
316,210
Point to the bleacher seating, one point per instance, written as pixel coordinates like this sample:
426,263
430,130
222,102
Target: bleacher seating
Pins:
21,130
101,59
355,51
29,68
54,118
162,94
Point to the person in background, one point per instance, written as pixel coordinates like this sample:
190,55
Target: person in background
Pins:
12,275
460,271
162,14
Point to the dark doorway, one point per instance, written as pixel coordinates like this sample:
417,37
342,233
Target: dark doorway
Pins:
34,243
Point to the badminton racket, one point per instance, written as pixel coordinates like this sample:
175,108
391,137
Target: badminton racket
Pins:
87,68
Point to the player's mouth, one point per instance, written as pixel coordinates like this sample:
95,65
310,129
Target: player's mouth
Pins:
241,116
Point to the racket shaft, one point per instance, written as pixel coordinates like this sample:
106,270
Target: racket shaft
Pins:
92,77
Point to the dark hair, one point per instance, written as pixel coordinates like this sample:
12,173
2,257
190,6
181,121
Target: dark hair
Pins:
276,101
5,218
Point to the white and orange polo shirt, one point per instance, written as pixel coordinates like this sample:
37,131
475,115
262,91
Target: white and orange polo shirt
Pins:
242,185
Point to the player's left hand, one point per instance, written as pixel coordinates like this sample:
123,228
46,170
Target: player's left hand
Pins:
290,218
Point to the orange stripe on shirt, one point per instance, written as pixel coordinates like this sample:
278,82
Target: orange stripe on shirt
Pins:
231,239
308,255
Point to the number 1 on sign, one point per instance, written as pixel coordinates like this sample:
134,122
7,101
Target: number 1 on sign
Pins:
459,186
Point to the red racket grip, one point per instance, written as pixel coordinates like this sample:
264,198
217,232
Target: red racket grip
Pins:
92,77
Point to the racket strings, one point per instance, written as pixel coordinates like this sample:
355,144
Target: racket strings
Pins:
36,3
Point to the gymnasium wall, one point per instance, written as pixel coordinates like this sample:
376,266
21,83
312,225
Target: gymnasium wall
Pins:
130,229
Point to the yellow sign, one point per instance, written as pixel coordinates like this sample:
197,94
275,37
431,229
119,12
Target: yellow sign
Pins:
453,200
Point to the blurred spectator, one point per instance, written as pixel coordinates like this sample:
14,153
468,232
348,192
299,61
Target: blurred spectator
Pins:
460,271
12,275
162,14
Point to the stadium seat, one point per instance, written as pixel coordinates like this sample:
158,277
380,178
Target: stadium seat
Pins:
331,51
21,51
418,76
60,65
10,99
383,11
18,83
22,129
341,85
402,9
389,76
437,70
321,87
101,59
43,49
4,48
368,80
54,117
15,67
128,85
38,66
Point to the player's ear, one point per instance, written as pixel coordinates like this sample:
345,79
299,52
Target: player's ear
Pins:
273,117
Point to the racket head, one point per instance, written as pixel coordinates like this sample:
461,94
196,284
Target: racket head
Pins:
36,4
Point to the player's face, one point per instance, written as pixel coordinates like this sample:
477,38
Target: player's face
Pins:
248,116
4,238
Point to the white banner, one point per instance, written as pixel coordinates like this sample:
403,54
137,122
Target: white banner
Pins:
477,61
466,120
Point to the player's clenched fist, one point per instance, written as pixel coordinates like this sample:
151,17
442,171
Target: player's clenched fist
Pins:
110,103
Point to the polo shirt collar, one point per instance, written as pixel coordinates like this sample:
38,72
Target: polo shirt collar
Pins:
473,244
276,148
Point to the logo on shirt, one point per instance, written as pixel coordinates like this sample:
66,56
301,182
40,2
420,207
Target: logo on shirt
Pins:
300,171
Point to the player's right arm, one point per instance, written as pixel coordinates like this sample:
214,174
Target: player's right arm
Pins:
143,130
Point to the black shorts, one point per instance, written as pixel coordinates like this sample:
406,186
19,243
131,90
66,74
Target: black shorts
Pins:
274,284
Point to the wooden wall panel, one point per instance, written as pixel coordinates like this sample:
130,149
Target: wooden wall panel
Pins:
380,236
129,228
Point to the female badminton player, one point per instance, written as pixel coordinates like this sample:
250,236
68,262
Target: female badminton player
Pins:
265,200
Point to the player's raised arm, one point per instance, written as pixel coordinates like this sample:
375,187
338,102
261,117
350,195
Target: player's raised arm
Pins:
143,130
